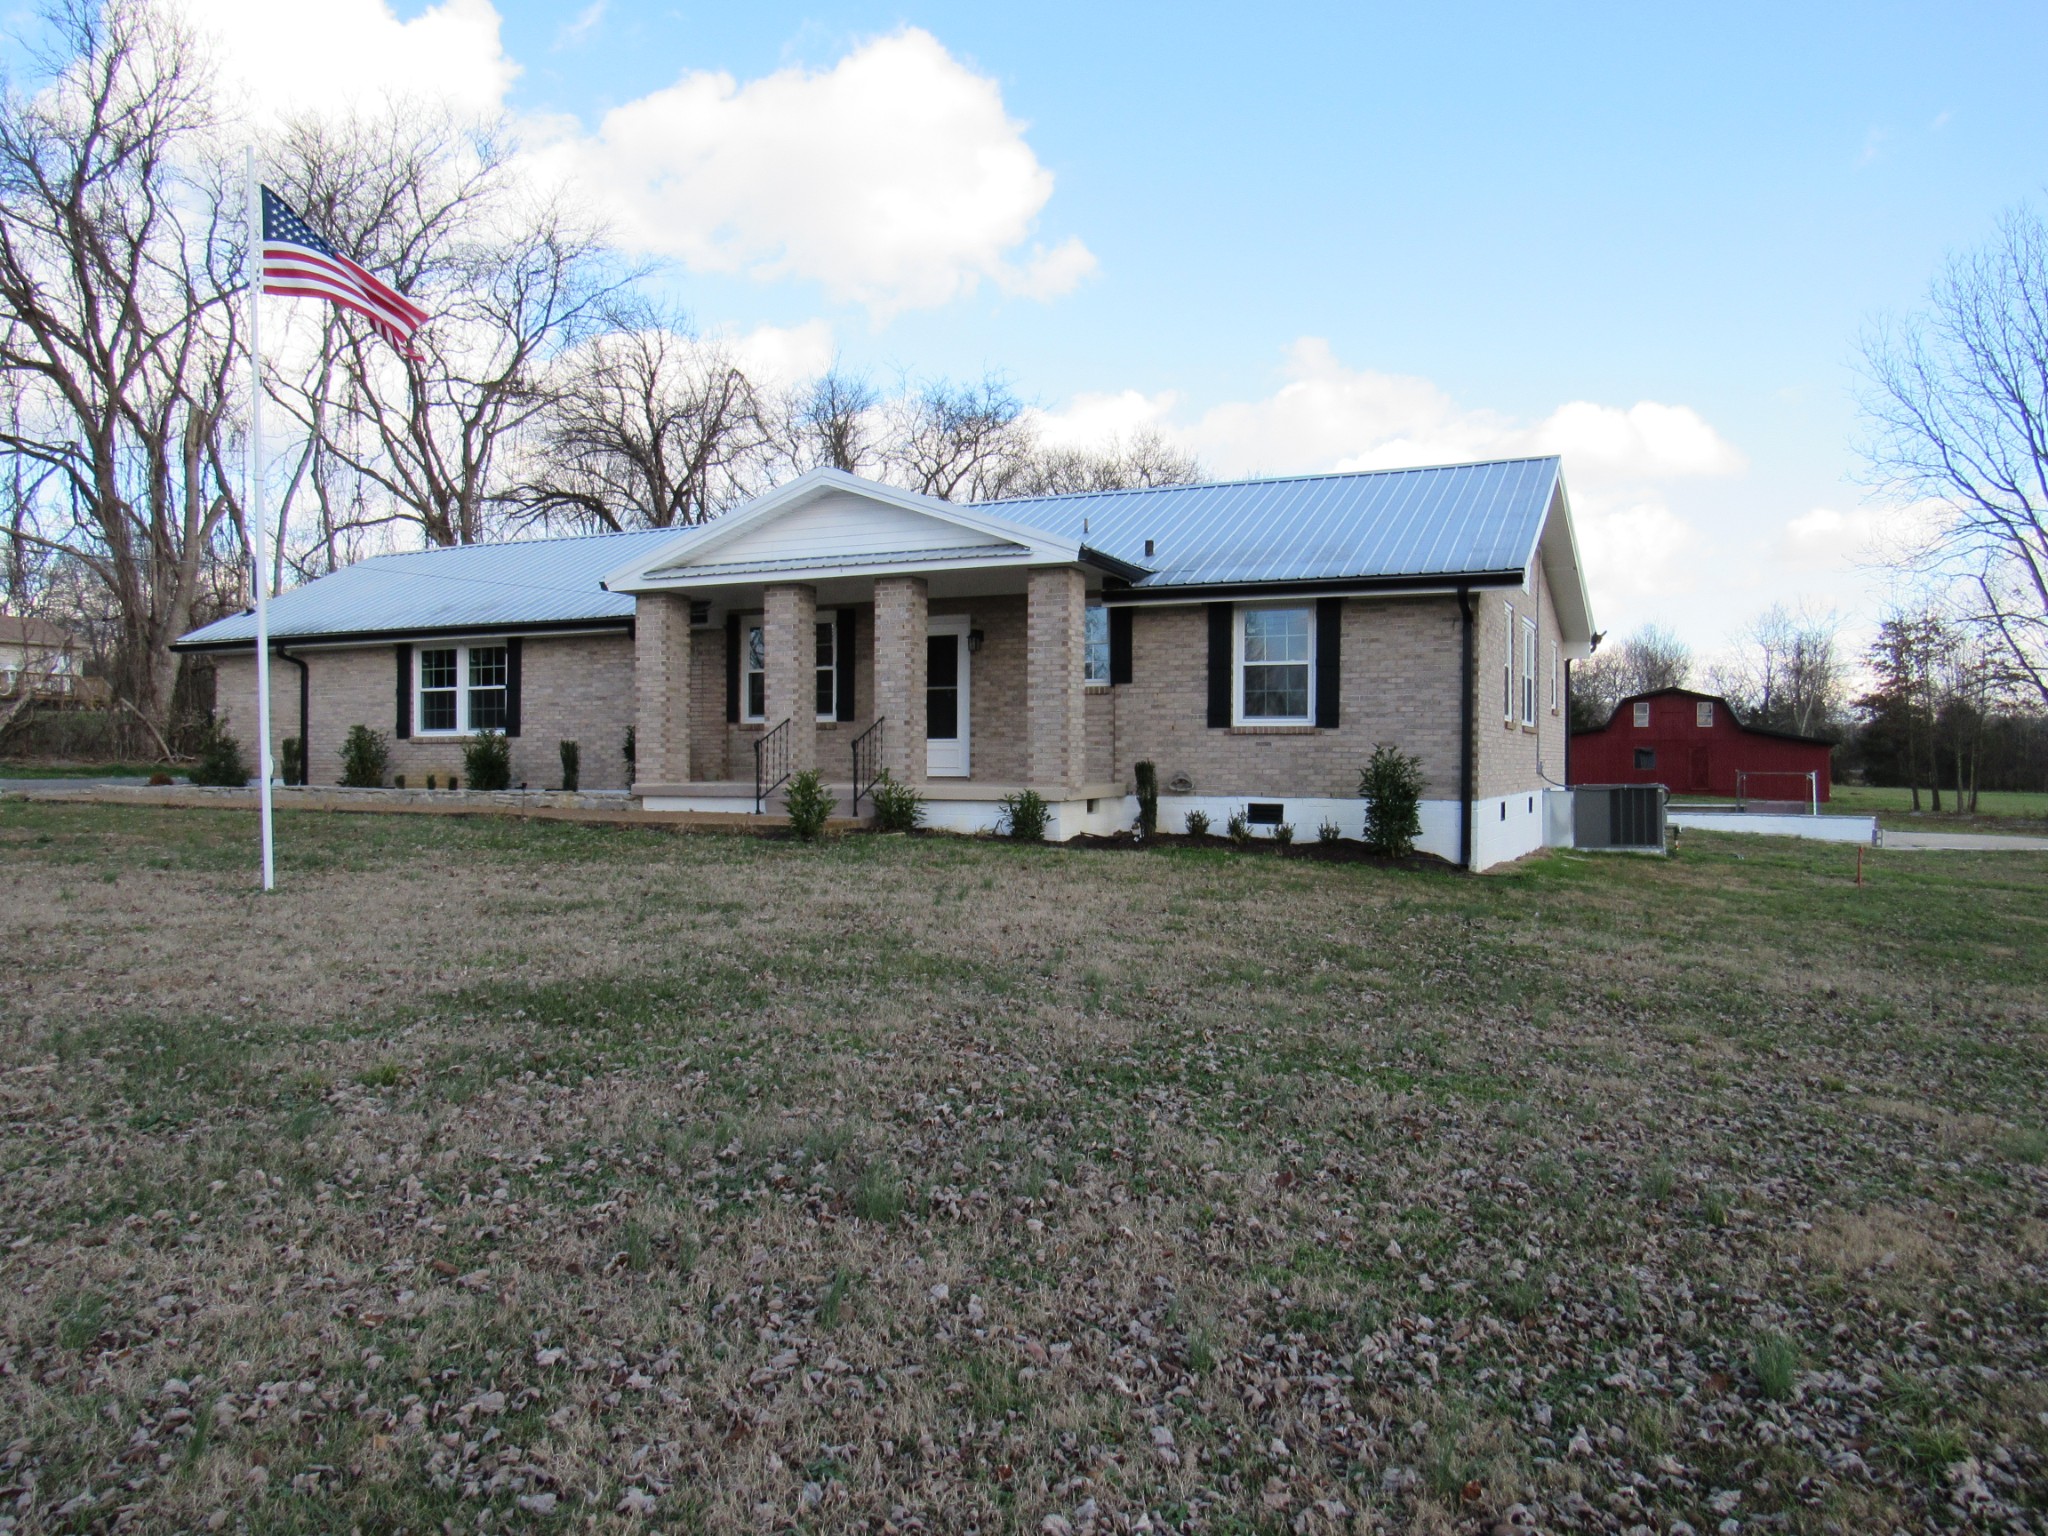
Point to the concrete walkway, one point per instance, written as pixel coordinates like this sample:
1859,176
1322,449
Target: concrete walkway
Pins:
1971,842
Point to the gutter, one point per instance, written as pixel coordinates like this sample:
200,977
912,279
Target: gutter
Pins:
533,629
1329,586
1467,767
305,693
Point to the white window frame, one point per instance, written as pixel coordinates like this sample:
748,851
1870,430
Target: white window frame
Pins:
1641,714
1090,646
462,651
1529,672
1703,714
1507,670
1556,681
1237,714
749,622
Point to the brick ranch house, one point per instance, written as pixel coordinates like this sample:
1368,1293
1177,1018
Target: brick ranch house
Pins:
1254,640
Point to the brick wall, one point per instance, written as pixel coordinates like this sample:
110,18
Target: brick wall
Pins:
578,688
1399,683
1514,758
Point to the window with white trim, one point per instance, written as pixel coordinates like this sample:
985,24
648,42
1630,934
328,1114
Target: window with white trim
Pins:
1528,671
1276,662
1507,669
460,689
1642,717
1095,646
1556,681
754,668
1703,715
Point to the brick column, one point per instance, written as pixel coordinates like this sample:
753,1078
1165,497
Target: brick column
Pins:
1054,680
661,682
902,625
790,635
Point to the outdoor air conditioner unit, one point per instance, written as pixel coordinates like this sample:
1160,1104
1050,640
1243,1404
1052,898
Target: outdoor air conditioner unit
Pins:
1629,817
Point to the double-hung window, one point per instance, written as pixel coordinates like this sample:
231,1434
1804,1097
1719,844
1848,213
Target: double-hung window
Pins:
1507,669
1642,717
1703,715
1276,660
1095,646
1556,681
1528,671
754,668
460,689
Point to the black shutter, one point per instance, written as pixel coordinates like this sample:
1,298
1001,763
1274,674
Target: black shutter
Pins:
1221,620
1329,645
404,727
842,665
1119,645
732,666
512,686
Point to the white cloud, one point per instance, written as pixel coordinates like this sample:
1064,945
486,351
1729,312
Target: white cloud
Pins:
779,356
579,29
1089,421
895,178
273,60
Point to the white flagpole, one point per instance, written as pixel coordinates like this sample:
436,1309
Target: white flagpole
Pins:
256,515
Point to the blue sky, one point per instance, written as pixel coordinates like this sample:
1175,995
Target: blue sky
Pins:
1306,237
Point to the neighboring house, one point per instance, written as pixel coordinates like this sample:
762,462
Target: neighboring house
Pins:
40,659
1254,640
1695,744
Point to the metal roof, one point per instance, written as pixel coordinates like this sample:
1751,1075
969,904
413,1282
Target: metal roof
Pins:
525,585
1398,526
1453,520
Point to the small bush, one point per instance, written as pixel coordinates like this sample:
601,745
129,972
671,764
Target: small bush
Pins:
572,763
1328,832
433,781
1025,816
898,807
1148,799
628,750
220,760
1392,788
808,804
1284,834
1198,823
1776,1363
1239,829
487,759
398,779
293,765
364,757
454,782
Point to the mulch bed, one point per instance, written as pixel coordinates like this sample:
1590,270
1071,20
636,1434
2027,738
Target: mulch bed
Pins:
1344,851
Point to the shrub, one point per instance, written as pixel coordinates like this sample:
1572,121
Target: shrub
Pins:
1239,829
1198,823
898,807
808,803
487,759
364,757
1148,799
572,763
1284,834
1025,815
433,781
628,751
1328,832
398,779
1392,787
294,764
220,759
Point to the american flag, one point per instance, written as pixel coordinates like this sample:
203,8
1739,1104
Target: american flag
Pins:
299,263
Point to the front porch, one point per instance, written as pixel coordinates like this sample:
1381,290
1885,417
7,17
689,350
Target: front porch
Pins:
954,661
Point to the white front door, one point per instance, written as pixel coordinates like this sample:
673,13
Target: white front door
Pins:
946,698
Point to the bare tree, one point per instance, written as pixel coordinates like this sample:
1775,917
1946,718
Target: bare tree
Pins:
1647,660
511,283
958,442
1787,671
834,422
648,428
1147,460
1957,406
117,264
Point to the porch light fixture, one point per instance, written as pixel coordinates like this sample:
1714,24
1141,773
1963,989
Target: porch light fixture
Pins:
974,639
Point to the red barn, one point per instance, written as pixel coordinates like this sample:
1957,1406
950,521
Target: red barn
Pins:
1693,744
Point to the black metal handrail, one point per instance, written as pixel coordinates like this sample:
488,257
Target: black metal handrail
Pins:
771,764
867,760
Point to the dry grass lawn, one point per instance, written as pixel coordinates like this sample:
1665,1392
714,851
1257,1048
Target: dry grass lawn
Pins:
547,1177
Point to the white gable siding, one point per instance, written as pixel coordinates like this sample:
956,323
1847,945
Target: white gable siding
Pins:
845,526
